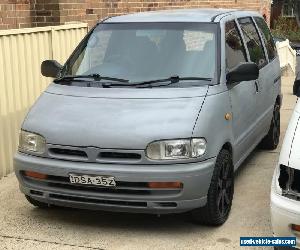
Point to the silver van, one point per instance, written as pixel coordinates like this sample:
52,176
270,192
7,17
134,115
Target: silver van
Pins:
152,113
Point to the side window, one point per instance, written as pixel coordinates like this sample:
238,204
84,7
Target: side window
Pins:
234,49
252,41
266,34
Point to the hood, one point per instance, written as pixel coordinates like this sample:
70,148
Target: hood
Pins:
126,118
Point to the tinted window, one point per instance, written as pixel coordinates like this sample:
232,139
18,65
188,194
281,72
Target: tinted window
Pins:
234,49
252,41
266,34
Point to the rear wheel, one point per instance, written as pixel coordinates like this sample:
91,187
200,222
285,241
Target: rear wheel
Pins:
220,193
36,203
271,140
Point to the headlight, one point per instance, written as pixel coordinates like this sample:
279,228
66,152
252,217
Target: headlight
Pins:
176,149
30,142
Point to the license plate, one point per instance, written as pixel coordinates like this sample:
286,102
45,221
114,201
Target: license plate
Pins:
105,181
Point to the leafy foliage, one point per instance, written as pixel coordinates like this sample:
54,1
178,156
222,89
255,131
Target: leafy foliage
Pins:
286,28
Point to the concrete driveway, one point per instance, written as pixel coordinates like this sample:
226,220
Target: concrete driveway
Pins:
25,227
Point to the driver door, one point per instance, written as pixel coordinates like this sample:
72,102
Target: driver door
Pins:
242,94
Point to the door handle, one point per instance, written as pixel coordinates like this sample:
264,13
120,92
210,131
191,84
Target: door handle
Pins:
256,86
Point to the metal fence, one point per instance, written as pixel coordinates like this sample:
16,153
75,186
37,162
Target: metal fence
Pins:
21,53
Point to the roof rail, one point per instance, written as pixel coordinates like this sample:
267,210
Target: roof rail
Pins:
219,14
104,19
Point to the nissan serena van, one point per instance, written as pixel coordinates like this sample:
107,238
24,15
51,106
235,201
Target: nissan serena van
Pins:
152,113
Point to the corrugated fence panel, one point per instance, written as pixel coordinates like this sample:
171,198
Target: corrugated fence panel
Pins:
21,53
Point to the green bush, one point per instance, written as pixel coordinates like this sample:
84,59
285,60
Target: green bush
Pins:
287,28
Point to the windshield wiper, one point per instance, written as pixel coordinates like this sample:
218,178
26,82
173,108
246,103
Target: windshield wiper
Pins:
94,77
169,80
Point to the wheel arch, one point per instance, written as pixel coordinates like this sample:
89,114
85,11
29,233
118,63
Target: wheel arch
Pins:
228,147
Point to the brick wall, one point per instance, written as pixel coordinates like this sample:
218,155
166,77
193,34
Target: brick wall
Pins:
32,13
92,10
45,12
15,14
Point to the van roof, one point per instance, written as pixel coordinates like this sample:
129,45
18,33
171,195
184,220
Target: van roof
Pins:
177,15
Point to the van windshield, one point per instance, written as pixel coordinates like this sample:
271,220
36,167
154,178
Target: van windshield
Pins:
141,52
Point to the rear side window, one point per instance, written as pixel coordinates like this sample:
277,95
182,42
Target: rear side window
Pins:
266,34
252,41
234,49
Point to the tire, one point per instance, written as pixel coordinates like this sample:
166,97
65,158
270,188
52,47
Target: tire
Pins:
220,193
36,203
271,140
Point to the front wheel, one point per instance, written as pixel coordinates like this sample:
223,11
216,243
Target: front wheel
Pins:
220,193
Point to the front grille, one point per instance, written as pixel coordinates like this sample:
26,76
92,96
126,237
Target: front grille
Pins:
122,187
295,185
120,155
98,189
289,182
38,193
94,154
167,204
98,201
68,152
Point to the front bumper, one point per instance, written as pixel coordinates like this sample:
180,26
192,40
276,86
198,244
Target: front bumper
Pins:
131,197
284,213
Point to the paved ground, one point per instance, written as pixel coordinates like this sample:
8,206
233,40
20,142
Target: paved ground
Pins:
25,227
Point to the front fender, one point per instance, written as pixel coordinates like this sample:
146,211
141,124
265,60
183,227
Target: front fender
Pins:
211,122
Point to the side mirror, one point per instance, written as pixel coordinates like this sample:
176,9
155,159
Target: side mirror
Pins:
243,72
296,87
50,68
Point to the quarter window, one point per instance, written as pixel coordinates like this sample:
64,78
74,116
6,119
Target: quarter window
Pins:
267,37
253,42
234,49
